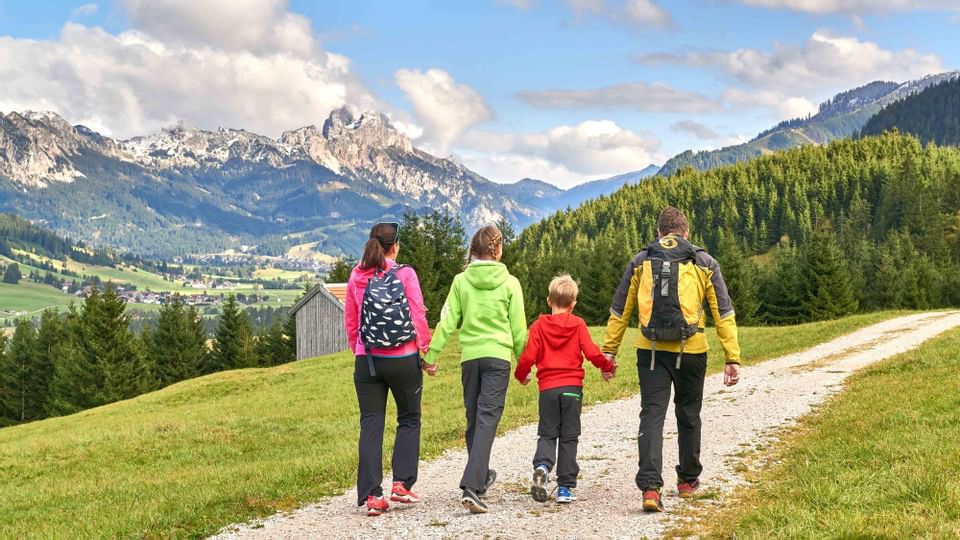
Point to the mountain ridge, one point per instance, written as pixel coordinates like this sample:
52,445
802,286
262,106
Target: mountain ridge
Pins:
188,187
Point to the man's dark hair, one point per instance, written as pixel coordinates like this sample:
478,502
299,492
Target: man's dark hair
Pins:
672,221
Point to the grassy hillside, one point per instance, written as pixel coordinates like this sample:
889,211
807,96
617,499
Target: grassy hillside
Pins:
201,454
878,461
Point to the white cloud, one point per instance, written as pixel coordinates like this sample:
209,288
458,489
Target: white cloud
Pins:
208,66
641,96
854,7
564,155
639,13
257,26
84,11
785,78
698,130
581,7
647,12
824,61
444,107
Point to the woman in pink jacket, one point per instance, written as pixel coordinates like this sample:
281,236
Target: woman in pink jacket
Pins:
397,369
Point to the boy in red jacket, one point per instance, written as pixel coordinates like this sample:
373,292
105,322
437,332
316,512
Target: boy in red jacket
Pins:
557,344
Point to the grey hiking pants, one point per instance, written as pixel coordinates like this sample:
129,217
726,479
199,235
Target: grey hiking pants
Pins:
484,391
654,397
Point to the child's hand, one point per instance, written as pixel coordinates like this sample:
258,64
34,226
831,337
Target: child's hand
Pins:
431,369
607,375
527,380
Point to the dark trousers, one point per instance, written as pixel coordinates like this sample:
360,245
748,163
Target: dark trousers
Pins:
484,391
560,420
654,396
403,378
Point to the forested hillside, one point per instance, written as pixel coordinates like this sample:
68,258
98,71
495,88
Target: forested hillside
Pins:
855,225
932,115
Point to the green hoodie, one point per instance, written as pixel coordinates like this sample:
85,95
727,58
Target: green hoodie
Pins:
488,302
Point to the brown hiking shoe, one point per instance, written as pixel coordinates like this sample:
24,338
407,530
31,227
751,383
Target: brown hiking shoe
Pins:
688,489
651,500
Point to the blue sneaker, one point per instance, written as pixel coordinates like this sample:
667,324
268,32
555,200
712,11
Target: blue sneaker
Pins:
538,490
565,495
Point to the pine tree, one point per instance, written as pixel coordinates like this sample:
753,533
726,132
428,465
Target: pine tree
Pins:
77,377
6,415
740,274
272,346
290,332
826,291
781,298
178,345
23,379
12,274
340,271
434,245
234,345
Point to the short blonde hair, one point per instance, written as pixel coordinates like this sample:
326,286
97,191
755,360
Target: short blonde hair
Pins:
563,291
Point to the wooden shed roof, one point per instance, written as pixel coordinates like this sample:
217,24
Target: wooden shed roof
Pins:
317,289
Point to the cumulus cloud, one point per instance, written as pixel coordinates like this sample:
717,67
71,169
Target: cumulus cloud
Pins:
641,96
263,72
84,11
698,130
647,12
782,79
444,107
854,7
824,61
565,155
640,13
258,26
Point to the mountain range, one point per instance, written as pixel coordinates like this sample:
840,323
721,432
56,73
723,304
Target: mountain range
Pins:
841,116
186,190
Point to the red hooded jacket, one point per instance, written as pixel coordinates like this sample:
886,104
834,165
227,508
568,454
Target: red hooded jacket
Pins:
557,345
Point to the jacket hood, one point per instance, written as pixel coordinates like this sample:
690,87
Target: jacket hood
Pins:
486,275
558,329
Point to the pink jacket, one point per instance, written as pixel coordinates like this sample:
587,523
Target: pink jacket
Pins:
351,316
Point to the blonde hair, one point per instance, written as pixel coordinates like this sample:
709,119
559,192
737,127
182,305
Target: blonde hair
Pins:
563,291
487,243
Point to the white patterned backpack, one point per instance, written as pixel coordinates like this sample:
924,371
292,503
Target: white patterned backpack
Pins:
385,320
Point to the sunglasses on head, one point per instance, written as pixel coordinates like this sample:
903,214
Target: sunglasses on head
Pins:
395,232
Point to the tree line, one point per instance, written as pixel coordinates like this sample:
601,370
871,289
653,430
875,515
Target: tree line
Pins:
89,356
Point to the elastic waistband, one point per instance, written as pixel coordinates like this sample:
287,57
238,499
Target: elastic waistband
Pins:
388,358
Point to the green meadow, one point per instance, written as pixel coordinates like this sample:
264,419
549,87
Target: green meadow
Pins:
191,458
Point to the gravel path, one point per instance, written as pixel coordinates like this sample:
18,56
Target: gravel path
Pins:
769,395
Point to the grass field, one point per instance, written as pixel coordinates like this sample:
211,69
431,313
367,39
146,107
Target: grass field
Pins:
186,460
877,461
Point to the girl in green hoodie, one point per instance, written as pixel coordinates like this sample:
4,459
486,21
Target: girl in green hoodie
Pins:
486,302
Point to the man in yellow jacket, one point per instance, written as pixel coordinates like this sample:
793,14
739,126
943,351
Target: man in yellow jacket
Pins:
668,283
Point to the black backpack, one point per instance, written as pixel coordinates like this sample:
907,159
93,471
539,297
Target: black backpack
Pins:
671,262
385,320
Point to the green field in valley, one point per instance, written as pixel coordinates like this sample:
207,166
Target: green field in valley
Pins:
204,453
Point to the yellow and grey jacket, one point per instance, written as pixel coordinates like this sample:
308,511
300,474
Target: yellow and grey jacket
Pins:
708,287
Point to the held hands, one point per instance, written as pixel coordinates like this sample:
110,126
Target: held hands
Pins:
731,374
607,375
431,369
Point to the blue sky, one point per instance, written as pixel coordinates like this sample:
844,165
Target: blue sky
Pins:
566,90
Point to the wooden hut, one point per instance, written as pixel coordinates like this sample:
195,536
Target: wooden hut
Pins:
320,329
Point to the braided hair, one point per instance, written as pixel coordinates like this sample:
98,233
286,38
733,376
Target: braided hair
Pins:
487,243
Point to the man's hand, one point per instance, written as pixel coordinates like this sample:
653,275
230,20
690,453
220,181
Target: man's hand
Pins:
731,374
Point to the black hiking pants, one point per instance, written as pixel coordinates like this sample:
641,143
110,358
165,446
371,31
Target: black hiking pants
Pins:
484,392
560,421
403,378
654,397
